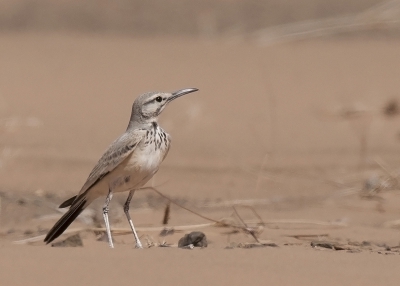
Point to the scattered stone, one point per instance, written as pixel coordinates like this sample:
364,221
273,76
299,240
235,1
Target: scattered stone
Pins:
193,239
72,241
329,245
385,253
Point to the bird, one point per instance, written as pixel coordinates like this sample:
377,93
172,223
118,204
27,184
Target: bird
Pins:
127,165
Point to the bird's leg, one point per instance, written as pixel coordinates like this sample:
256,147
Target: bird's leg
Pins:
105,216
126,210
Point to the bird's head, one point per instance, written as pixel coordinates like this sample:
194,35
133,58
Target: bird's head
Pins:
148,106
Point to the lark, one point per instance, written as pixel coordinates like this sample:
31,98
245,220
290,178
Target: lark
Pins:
127,165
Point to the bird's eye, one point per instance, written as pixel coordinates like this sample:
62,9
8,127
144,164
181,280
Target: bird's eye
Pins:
158,98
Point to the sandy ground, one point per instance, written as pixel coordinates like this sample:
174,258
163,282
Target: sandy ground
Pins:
299,131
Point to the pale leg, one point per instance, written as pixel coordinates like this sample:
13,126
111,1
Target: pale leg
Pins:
126,210
105,216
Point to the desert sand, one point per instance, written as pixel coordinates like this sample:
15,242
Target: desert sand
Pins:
304,133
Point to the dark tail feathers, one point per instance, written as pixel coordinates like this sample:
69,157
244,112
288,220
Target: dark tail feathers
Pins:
67,203
66,219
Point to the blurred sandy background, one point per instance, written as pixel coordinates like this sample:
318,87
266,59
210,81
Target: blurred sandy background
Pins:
297,116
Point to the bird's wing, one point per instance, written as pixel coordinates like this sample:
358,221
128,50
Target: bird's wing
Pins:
118,151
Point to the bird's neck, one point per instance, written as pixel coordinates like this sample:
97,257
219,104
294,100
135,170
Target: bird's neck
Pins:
149,124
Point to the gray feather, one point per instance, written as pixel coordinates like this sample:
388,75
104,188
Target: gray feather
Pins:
116,153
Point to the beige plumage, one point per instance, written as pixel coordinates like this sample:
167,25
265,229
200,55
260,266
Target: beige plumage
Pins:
127,165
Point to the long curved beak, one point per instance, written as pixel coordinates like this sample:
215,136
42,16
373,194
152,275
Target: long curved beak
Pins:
181,92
